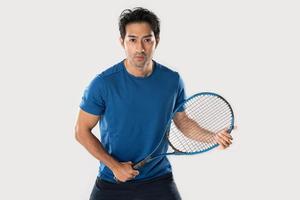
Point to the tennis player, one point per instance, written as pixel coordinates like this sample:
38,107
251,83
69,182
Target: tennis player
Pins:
132,101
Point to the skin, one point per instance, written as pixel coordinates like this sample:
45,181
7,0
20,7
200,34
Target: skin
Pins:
189,127
139,45
123,171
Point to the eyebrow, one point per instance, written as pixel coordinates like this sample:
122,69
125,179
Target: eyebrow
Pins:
133,36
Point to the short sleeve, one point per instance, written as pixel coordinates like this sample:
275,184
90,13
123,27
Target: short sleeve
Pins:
181,96
93,97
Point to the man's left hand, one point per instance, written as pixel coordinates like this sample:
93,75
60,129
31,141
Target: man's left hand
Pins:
224,139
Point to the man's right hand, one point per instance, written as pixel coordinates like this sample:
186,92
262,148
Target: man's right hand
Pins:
125,171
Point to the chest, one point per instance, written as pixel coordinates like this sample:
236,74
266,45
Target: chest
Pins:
135,96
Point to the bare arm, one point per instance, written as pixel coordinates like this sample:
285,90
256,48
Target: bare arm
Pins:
192,130
84,125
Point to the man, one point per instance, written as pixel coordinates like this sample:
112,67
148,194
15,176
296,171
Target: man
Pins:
132,101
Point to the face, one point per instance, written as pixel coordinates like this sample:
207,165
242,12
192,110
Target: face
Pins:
139,44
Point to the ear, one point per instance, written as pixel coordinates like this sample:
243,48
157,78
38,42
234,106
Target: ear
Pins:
121,41
157,41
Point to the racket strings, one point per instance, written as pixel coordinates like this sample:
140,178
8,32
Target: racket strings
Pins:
192,145
215,109
216,116
220,116
193,131
205,116
180,144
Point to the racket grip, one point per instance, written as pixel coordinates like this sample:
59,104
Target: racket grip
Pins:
135,166
139,164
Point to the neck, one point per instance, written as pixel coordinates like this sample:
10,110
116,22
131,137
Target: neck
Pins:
144,71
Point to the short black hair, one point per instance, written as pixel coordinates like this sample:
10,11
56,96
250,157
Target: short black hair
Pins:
138,14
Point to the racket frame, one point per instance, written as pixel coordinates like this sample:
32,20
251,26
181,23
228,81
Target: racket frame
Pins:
150,157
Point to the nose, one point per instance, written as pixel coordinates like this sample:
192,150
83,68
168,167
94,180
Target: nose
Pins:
140,47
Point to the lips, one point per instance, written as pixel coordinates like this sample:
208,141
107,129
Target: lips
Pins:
140,57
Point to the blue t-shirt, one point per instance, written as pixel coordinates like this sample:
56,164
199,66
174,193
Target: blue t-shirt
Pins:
134,112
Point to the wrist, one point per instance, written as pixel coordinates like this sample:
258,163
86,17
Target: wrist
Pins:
114,165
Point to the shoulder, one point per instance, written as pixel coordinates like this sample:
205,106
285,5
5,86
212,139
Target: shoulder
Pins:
167,70
111,71
100,78
98,81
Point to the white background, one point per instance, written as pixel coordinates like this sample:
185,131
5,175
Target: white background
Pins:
248,51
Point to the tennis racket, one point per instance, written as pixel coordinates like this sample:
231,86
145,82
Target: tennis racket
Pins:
203,116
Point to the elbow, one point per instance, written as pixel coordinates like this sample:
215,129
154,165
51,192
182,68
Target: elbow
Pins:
77,133
81,133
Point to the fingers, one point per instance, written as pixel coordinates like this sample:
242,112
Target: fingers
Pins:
125,172
132,171
135,172
223,138
129,162
223,142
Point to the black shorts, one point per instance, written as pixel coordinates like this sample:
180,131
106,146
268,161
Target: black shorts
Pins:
160,188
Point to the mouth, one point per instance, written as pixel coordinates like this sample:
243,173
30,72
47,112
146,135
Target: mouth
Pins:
140,58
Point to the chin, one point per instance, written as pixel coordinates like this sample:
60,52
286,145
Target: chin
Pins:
140,65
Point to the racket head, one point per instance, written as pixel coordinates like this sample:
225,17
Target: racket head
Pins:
210,111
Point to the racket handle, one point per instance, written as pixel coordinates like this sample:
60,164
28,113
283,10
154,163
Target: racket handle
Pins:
136,166
140,164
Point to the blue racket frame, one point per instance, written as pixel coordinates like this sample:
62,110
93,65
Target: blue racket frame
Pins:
149,158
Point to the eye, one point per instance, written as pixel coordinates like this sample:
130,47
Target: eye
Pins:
131,40
148,40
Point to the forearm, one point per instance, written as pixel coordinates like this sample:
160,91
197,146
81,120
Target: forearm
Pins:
96,149
192,130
